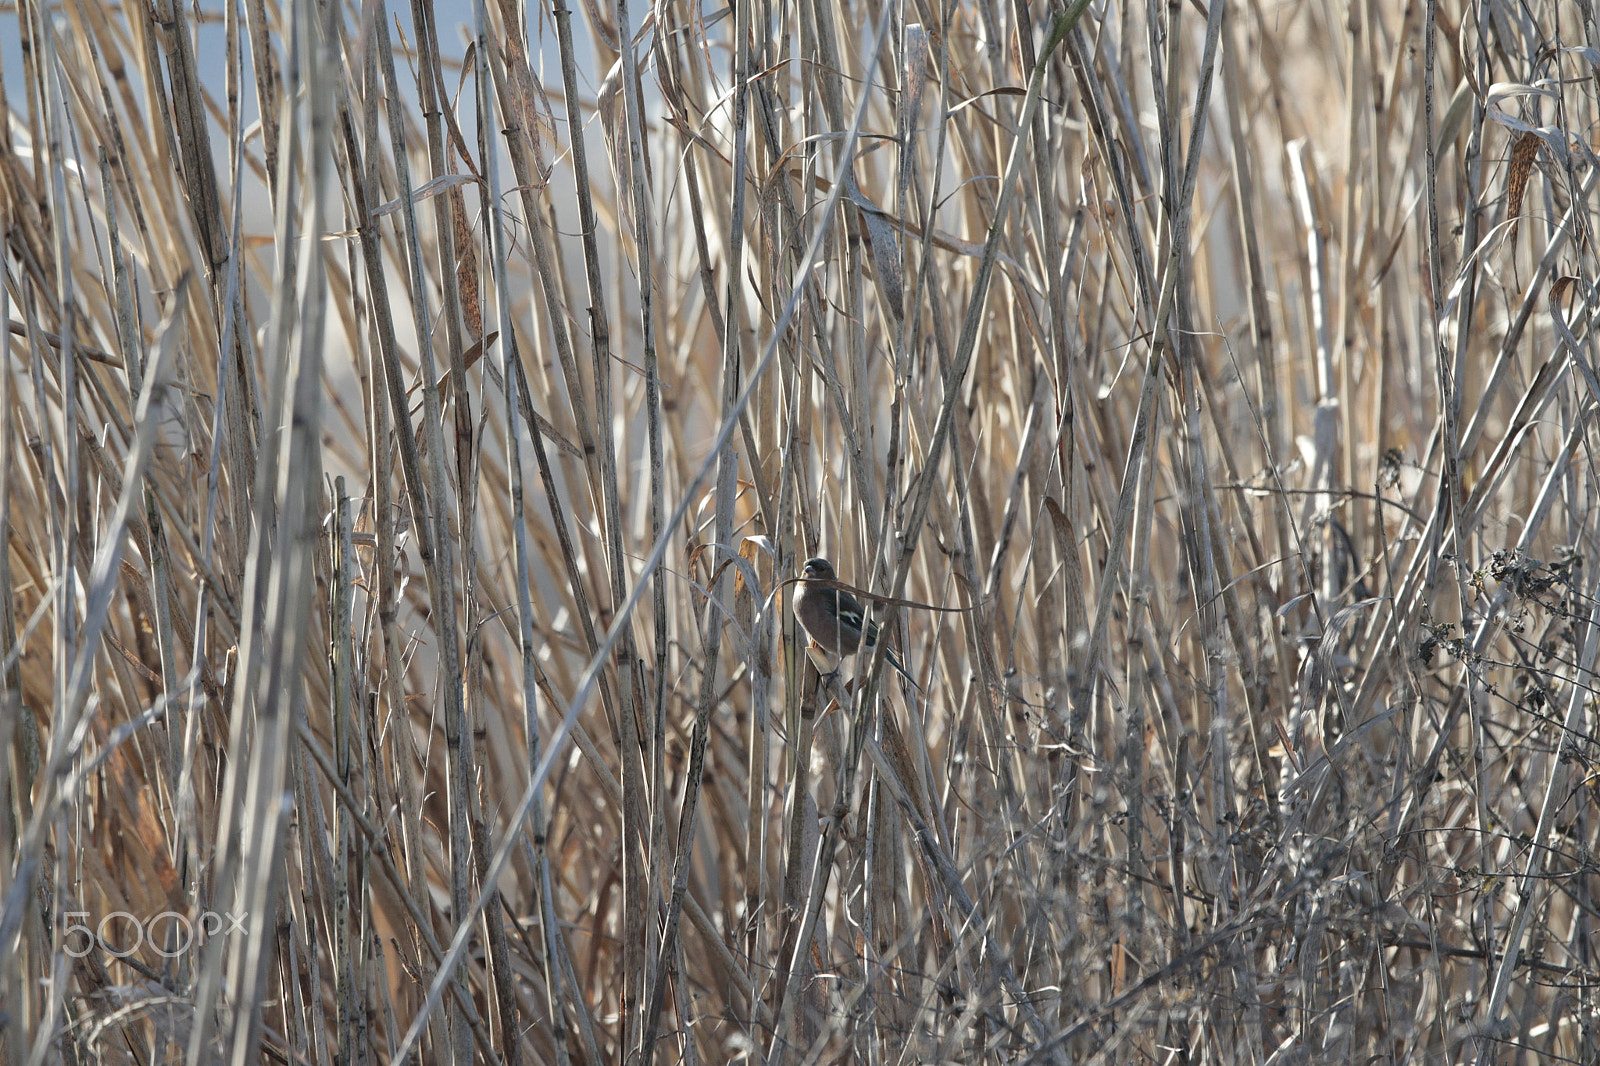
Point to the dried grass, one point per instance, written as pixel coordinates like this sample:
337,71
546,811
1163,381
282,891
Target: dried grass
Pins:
401,488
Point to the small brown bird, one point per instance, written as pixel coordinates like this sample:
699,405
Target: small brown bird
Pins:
833,618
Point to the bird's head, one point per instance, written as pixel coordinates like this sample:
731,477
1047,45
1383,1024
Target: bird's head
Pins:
819,567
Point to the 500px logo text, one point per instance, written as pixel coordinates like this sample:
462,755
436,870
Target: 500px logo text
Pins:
169,933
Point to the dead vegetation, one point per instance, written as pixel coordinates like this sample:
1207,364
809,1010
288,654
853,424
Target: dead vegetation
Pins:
403,450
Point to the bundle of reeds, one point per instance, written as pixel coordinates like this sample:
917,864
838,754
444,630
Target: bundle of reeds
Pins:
412,422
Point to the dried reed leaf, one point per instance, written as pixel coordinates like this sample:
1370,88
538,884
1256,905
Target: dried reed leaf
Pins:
916,77
467,271
884,248
528,111
1524,150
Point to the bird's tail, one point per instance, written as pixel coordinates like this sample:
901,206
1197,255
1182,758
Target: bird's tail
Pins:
894,661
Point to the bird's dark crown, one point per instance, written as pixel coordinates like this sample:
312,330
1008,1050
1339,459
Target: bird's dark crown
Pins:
818,567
